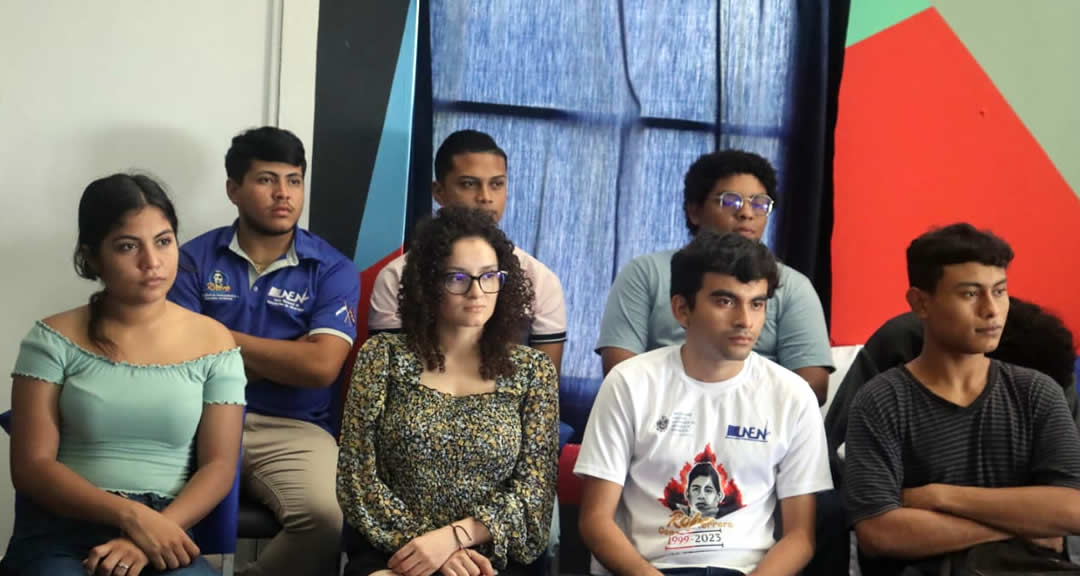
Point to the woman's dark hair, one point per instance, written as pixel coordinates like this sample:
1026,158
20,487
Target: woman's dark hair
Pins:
421,294
104,205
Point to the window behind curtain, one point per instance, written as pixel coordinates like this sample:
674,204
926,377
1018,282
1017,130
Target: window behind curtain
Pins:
601,107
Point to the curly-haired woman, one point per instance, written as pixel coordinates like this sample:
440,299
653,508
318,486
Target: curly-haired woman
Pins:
450,433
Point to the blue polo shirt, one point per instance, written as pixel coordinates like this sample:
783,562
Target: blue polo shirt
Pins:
311,289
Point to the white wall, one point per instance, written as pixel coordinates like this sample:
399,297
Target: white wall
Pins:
91,88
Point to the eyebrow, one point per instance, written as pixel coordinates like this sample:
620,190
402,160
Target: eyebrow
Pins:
279,175
733,296
137,239
471,177
979,285
488,268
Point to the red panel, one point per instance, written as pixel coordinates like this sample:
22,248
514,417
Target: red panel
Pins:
367,284
569,484
924,139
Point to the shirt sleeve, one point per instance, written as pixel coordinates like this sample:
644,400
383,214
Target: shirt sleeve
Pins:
368,504
549,307
519,513
225,379
1055,458
185,289
42,356
874,472
336,301
383,305
804,469
607,444
626,316
801,337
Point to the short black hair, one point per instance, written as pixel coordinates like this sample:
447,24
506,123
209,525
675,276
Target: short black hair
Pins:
463,142
1035,338
730,254
706,170
930,253
704,469
268,144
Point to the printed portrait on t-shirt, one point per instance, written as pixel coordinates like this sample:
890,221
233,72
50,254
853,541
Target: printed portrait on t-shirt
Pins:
703,488
698,497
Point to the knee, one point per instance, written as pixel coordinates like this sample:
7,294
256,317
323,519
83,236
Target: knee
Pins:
322,515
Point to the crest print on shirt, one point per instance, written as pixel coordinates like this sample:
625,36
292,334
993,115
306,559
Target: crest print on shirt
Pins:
702,493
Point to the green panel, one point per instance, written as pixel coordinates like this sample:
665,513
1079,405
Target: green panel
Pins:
868,17
1029,50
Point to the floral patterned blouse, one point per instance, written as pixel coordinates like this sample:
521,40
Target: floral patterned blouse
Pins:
414,459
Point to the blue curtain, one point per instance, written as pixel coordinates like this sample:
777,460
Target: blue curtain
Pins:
601,107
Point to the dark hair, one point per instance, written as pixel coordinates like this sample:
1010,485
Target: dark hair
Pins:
463,142
730,254
929,254
704,469
103,206
268,144
1035,338
706,170
421,293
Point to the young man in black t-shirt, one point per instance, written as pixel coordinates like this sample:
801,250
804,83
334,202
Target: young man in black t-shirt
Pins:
954,449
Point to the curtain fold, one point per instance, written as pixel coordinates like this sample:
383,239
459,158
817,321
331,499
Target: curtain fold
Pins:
804,236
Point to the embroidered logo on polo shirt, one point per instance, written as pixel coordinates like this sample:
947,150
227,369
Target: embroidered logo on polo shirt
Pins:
287,298
350,314
736,432
218,287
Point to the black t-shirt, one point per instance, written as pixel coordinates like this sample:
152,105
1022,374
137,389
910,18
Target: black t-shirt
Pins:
1018,432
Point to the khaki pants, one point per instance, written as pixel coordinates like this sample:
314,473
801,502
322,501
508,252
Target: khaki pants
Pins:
291,467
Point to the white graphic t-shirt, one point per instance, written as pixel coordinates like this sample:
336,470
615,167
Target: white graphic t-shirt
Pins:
702,464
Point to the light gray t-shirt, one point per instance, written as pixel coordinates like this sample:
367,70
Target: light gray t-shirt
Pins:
638,315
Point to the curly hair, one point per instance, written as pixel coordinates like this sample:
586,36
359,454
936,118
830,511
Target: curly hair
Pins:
421,294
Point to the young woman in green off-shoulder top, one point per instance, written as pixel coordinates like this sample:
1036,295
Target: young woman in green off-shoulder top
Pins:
127,412
450,432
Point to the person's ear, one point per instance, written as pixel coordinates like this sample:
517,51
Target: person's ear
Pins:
918,300
681,310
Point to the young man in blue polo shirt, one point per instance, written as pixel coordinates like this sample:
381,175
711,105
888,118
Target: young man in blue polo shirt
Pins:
290,300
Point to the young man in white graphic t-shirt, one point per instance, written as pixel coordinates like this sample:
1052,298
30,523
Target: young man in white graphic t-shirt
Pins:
689,448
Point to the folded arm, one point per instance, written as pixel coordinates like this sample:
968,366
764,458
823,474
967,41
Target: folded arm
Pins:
1029,511
914,533
313,361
